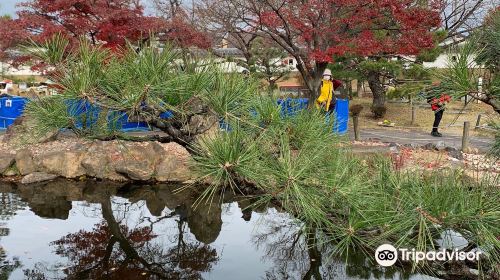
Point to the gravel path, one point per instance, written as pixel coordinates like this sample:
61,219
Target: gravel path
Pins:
405,137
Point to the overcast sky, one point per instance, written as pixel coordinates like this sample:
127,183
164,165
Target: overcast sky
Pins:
9,6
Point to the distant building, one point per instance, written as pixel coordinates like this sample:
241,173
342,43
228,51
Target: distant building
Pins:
19,73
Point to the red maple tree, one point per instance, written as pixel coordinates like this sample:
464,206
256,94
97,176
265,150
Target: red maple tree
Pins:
109,23
313,31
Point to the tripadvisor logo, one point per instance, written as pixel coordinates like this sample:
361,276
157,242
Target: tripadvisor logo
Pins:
387,255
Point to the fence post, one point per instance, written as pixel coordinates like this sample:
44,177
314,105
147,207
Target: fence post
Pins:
465,137
413,114
478,122
355,122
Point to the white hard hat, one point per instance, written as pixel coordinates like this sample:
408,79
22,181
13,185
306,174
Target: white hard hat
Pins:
327,72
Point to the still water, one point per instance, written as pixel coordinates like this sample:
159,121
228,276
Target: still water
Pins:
97,230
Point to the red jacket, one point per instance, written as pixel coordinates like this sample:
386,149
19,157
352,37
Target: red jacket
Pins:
437,103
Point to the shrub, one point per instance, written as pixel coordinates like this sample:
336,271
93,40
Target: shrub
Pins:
379,111
355,110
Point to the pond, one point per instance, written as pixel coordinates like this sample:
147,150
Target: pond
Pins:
101,230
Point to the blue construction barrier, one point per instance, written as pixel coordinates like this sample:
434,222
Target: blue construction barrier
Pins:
11,108
290,107
87,115
224,125
167,115
120,121
340,125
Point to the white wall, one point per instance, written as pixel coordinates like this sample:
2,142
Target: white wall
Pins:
443,60
8,70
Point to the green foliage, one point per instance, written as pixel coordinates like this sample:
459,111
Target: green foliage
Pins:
267,111
417,72
389,67
231,94
343,68
459,79
415,210
226,160
142,84
478,57
266,62
279,155
298,164
488,39
51,113
430,55
53,51
414,79
378,111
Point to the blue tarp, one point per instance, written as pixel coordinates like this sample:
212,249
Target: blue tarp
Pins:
11,108
87,114
290,107
341,122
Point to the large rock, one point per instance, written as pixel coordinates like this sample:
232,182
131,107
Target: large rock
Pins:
98,161
21,133
6,160
24,162
138,171
63,163
137,160
120,160
37,177
112,160
174,164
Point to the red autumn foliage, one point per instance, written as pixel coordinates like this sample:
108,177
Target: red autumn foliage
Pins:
94,255
109,23
314,31
102,21
87,249
181,33
364,27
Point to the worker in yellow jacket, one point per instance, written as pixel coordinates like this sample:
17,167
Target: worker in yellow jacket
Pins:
326,99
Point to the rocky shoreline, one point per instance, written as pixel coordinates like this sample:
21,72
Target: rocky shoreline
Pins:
155,162
115,160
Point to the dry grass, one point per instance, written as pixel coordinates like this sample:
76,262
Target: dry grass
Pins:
400,114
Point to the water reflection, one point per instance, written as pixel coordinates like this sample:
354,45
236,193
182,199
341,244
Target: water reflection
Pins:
113,249
9,205
107,230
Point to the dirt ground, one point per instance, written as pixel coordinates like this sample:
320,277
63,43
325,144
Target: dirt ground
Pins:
400,114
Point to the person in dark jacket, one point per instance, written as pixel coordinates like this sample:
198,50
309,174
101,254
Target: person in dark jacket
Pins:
438,106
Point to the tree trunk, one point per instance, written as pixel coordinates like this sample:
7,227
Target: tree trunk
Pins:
376,88
359,88
272,85
487,98
312,79
315,261
495,104
348,84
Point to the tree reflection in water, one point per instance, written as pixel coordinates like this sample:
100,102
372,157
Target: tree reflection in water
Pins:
114,251
122,245
153,232
9,205
297,253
